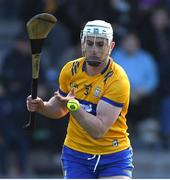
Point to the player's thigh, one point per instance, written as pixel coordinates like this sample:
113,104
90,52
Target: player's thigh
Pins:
75,165
117,165
74,170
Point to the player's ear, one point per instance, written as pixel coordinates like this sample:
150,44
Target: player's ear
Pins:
112,44
111,47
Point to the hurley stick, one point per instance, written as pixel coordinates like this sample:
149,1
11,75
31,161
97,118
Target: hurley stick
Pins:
38,28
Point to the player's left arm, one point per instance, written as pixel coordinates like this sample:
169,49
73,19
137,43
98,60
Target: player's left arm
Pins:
107,112
108,109
98,125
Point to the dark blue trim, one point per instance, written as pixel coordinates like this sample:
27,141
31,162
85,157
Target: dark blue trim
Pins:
84,66
62,93
86,102
104,70
94,106
112,102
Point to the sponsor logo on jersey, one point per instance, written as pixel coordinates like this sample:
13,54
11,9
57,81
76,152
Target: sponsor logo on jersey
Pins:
87,107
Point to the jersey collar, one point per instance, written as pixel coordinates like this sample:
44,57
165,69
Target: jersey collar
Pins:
103,71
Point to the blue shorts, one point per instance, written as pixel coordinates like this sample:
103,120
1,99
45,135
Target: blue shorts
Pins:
78,165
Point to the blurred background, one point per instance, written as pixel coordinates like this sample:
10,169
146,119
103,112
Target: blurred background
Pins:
142,36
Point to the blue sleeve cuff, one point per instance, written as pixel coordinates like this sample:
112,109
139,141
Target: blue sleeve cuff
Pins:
112,102
62,93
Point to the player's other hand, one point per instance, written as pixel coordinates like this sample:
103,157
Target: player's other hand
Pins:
34,105
64,100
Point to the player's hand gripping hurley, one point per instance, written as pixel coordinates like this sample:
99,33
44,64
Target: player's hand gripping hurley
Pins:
38,28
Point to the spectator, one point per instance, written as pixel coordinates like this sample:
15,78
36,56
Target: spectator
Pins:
142,72
157,41
16,78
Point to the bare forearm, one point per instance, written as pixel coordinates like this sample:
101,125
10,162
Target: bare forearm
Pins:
90,123
53,112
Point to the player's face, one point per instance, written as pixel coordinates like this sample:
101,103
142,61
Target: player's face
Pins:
96,50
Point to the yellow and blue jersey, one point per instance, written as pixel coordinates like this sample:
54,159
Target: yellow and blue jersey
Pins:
111,85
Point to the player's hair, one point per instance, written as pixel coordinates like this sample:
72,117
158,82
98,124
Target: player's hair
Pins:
97,28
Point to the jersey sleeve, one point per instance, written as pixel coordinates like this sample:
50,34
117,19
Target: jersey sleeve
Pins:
64,78
117,93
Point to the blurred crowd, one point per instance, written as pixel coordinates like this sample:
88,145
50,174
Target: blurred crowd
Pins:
142,36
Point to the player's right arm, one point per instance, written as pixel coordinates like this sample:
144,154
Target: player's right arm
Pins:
51,109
